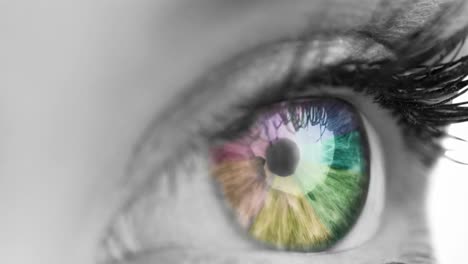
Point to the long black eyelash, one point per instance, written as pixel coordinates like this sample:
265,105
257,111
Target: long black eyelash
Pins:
419,95
422,96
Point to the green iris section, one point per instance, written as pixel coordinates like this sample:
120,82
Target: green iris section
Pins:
319,204
338,200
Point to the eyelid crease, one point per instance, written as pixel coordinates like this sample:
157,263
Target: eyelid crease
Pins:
244,79
277,68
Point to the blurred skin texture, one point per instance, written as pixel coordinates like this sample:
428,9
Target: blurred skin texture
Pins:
84,79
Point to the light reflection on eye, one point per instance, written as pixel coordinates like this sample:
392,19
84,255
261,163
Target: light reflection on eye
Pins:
298,178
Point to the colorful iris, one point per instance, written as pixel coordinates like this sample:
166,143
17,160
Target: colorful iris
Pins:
298,178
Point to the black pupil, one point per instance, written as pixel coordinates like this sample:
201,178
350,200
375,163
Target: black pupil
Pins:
282,157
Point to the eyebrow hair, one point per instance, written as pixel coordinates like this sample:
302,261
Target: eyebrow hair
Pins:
394,21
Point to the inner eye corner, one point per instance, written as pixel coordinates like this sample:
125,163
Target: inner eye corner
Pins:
301,182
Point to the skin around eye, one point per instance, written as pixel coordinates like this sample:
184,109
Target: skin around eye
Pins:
191,220
298,178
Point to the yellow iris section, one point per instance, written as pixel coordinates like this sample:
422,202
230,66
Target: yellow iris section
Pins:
288,219
287,185
272,208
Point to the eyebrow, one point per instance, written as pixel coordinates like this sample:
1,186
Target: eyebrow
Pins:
394,21
388,18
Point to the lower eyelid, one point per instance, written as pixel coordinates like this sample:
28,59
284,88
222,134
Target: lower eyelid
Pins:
185,178
176,255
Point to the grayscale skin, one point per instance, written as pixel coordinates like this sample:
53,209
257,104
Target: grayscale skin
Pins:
85,82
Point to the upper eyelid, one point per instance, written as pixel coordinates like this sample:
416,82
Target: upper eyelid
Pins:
141,160
257,72
264,70
186,115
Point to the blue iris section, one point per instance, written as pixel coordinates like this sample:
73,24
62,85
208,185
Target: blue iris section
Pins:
341,118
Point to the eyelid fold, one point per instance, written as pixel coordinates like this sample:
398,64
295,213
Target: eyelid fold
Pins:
213,102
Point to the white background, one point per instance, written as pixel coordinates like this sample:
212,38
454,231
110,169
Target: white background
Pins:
448,200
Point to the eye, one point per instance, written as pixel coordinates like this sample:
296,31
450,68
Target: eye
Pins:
335,195
312,163
298,178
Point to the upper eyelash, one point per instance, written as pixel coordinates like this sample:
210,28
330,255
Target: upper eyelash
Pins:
226,124
418,89
428,88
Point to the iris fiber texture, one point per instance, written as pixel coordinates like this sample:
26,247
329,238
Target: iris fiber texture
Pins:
318,203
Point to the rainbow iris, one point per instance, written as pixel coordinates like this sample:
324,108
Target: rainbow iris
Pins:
298,177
